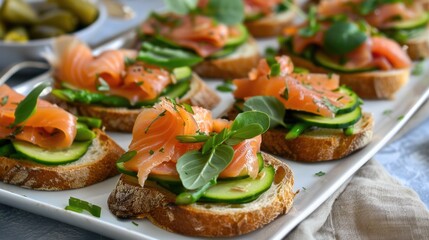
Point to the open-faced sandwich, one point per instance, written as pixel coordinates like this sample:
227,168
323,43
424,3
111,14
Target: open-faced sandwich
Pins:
373,66
115,85
210,35
268,18
194,175
43,147
404,21
313,118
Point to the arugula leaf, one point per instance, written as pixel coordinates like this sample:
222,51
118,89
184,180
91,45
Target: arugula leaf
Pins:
268,105
343,37
27,106
253,117
181,6
197,169
229,12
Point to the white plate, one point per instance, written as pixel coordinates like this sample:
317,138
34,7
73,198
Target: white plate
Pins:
314,190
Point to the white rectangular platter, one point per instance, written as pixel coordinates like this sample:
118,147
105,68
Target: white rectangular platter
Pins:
314,190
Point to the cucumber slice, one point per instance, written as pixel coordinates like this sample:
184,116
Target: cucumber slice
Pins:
121,168
339,121
51,157
323,60
223,52
240,191
240,38
350,106
182,73
411,23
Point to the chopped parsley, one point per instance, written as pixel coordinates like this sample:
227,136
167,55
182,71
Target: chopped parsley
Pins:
418,69
151,152
387,112
400,118
134,223
320,173
4,100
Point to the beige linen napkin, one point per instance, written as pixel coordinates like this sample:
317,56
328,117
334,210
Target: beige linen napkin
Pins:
373,205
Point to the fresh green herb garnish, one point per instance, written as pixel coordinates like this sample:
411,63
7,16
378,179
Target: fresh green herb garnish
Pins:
129,61
162,114
198,170
102,85
151,152
343,37
229,12
313,26
27,106
127,156
227,86
320,173
4,100
304,188
268,105
300,70
134,223
387,112
181,7
418,68
400,117
78,205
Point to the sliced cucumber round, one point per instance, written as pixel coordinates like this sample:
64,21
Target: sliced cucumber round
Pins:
323,60
182,73
354,100
121,168
240,191
411,23
240,38
51,157
339,121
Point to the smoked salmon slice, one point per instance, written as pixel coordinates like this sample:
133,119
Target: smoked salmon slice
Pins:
75,64
154,140
303,92
49,127
200,33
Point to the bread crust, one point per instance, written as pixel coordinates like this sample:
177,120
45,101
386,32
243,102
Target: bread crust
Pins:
236,65
418,48
368,85
271,25
317,145
130,200
122,119
99,165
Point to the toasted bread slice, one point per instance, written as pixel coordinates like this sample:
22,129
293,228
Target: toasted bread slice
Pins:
96,165
418,47
130,200
368,85
271,25
319,144
235,65
122,119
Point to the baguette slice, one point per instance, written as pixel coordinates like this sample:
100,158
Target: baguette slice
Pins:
319,144
235,65
368,85
130,200
122,119
96,165
271,25
418,47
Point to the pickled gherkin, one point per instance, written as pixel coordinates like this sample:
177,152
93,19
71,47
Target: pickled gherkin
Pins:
44,31
61,19
18,12
86,12
17,34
